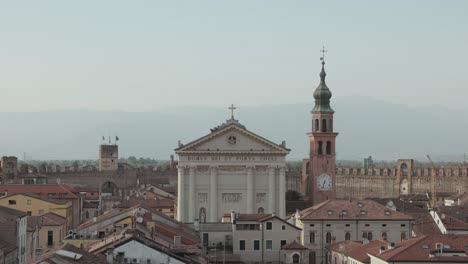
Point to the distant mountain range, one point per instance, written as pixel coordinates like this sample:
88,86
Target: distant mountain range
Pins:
366,127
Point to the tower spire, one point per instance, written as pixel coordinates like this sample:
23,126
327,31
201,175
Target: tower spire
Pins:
322,94
323,73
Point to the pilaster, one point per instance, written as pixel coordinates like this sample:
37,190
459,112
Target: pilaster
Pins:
191,209
213,194
180,194
250,190
271,190
282,192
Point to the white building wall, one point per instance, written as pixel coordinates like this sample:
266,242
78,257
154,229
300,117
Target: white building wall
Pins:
275,235
22,230
338,230
231,181
135,250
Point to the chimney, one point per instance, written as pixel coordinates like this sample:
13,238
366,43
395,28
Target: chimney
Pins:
382,249
233,217
177,241
283,144
273,213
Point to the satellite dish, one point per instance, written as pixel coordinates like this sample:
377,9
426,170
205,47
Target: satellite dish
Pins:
139,219
390,203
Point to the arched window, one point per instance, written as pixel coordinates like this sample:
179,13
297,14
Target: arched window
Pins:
328,148
364,235
330,125
319,147
202,215
261,210
369,236
384,236
328,238
348,236
317,128
324,125
296,258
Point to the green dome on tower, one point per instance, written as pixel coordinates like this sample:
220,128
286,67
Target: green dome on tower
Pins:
322,94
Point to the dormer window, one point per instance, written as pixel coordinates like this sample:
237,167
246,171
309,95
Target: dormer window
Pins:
363,212
387,212
344,212
359,204
329,212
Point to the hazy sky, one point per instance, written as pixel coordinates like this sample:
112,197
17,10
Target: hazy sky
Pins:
146,55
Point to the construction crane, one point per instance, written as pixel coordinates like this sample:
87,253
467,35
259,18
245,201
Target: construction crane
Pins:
433,193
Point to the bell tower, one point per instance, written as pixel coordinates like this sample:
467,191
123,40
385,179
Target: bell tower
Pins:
322,177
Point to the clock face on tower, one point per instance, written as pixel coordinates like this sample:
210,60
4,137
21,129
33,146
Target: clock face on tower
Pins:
324,182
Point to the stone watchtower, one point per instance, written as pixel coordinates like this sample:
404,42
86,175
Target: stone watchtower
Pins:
9,166
322,176
108,157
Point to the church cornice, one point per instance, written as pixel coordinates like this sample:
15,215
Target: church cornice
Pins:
216,152
241,129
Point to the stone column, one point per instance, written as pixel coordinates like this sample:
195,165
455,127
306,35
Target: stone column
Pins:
250,190
213,194
282,192
191,209
180,194
271,190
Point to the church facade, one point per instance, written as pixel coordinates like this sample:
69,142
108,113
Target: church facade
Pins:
230,169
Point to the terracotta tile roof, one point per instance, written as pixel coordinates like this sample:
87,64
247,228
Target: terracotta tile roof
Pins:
36,196
33,221
422,249
452,223
259,218
360,254
424,224
351,210
86,257
459,212
51,219
56,191
154,203
457,196
344,247
295,245
13,212
249,217
400,205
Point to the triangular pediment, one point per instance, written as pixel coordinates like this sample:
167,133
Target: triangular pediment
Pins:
232,137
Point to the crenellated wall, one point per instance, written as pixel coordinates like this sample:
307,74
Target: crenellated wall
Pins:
359,183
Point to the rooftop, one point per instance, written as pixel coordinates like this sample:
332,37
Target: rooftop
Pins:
13,212
427,249
56,191
351,210
51,219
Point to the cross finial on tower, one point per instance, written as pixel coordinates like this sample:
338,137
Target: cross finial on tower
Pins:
323,51
232,108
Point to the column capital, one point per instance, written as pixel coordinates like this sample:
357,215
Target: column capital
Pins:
271,168
213,168
250,167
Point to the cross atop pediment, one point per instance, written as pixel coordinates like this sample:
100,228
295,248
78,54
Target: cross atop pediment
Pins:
232,108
